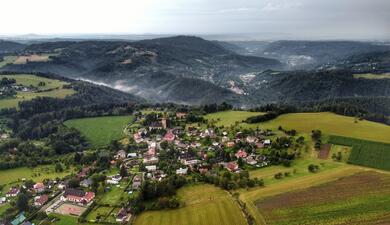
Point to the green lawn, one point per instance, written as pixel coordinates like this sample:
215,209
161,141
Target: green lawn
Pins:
115,196
100,131
53,88
102,211
227,118
204,204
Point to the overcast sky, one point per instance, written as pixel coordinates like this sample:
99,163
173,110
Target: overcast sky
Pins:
299,19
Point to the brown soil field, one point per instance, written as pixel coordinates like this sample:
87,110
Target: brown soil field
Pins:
324,151
31,58
363,198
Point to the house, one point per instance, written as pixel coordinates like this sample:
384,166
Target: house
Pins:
86,183
121,216
121,154
251,139
169,136
232,166
132,155
3,200
41,200
150,160
181,171
83,173
61,186
19,219
39,187
115,179
155,126
77,196
203,170
230,144
137,181
224,139
151,168
250,160
181,115
267,142
13,192
137,138
241,154
208,133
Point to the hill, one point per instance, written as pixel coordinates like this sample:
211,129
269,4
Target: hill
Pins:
143,66
10,47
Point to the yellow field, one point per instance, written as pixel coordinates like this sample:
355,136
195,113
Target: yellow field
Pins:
31,58
204,205
227,118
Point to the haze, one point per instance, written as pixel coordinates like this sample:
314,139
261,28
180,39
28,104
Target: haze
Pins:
264,19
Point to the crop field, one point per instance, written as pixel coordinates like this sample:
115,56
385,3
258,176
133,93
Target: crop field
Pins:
366,153
100,131
53,88
362,198
328,123
295,182
227,118
372,76
32,58
204,204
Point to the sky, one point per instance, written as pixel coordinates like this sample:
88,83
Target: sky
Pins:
274,19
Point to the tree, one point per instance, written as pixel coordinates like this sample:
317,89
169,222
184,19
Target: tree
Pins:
74,183
316,134
123,171
22,202
313,168
58,168
164,145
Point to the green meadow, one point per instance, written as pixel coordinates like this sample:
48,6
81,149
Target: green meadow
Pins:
228,118
204,204
100,131
53,88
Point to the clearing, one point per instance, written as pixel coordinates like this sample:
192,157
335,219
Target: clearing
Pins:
204,204
100,131
52,88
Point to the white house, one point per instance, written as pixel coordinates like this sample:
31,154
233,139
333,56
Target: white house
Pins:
182,171
151,168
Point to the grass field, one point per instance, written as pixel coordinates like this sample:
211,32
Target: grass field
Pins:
38,173
115,196
358,199
205,204
328,123
7,60
227,118
32,58
366,153
53,88
372,76
345,152
100,131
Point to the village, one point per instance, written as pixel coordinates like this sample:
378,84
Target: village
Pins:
159,146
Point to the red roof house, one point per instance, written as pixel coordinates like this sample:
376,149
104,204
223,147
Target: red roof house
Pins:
241,154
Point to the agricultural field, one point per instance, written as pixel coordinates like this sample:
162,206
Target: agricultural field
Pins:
358,199
365,153
32,58
52,88
296,182
7,60
204,204
328,123
100,131
228,118
372,76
